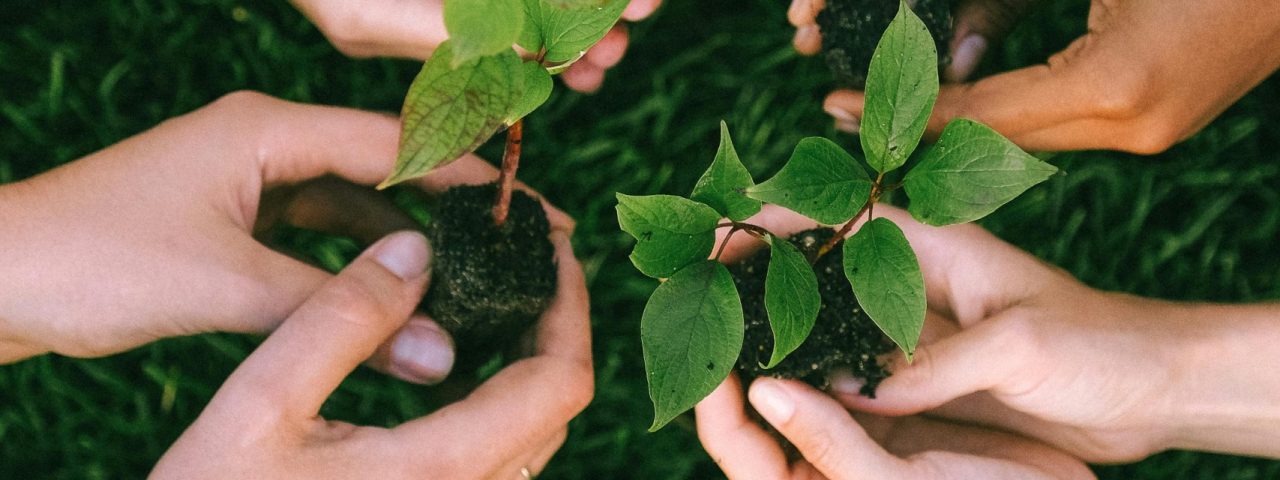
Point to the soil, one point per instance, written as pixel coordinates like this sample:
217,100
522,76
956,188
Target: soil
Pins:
843,336
489,284
852,28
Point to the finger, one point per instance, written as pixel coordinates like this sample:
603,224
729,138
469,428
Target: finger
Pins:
808,40
936,328
337,207
341,325
583,77
845,106
823,431
981,357
735,442
291,143
979,23
405,29
419,352
805,12
532,463
609,50
640,9
526,401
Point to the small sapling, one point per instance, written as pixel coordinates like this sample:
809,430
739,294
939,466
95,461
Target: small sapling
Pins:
832,297
494,269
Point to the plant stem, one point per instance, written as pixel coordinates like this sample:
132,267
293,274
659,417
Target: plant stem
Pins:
755,231
507,176
848,226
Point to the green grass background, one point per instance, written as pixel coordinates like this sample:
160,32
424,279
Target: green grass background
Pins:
1197,223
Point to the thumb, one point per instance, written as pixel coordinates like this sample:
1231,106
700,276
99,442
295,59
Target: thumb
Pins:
979,358
336,329
978,24
823,432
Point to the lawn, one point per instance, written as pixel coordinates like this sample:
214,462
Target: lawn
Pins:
1199,222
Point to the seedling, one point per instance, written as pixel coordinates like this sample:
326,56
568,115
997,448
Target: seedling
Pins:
692,328
494,268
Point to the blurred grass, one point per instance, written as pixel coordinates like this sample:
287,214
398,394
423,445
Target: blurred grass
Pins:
1199,222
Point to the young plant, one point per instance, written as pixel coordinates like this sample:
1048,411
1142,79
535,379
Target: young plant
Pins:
692,327
494,266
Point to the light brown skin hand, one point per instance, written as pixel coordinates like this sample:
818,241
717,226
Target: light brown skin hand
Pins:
153,237
1146,75
414,28
1015,344
264,422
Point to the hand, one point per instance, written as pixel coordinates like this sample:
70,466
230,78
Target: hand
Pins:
152,237
1014,343
1146,75
264,423
836,446
414,28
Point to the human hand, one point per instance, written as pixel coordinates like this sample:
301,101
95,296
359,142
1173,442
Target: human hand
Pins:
414,28
1146,75
835,445
1014,343
152,237
264,422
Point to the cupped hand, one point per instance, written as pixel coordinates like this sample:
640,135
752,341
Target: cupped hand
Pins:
414,28
1014,343
1146,74
834,445
264,421
152,237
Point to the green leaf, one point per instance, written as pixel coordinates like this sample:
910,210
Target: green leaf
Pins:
790,297
969,173
887,281
671,232
902,86
576,3
566,34
723,185
820,181
449,112
691,332
537,88
482,27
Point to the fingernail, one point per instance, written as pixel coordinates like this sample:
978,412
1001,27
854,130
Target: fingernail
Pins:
422,353
774,404
406,254
841,114
843,382
966,57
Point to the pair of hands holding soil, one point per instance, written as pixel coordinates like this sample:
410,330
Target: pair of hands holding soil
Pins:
1022,372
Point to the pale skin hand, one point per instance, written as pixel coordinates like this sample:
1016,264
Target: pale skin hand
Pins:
264,422
1016,344
414,28
836,446
152,237
1146,75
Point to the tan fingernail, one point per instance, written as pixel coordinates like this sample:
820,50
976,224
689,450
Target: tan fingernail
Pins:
771,401
422,353
843,382
966,57
807,36
405,254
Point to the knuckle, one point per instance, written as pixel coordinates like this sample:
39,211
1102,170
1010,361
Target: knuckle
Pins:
353,302
819,448
240,101
1150,136
345,28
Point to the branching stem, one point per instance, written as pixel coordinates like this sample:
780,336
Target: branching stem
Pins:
734,227
876,191
507,176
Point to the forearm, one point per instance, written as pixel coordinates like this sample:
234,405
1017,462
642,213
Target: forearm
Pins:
13,344
1228,392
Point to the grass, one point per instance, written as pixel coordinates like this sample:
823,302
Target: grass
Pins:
1196,223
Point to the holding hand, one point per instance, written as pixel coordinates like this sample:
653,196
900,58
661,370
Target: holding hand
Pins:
264,423
414,28
152,237
835,446
1146,75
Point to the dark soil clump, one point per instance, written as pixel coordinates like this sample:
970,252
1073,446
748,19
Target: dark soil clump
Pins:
852,28
489,284
843,336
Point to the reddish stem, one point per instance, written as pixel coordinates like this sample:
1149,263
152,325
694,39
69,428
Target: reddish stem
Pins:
848,226
507,177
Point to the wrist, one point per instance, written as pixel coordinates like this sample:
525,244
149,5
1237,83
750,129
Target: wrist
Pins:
1226,395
